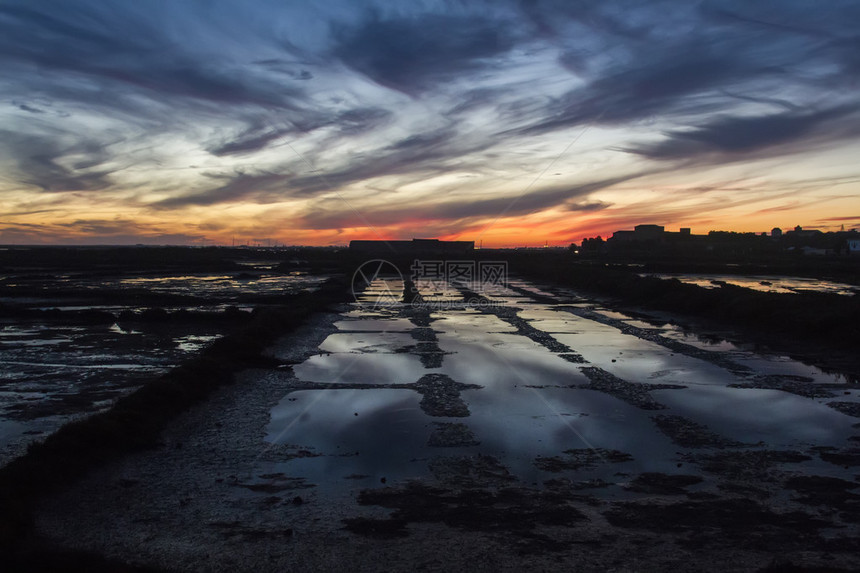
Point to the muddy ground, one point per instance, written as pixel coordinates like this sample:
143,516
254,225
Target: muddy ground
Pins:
540,432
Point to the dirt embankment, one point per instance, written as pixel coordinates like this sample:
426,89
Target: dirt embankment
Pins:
818,327
135,423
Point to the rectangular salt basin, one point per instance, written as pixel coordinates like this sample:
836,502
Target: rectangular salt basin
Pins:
482,363
356,368
377,325
375,432
637,360
367,342
519,424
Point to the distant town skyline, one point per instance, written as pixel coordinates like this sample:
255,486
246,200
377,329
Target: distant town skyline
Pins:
505,123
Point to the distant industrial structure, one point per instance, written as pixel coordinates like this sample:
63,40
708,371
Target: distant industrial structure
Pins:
648,233
415,246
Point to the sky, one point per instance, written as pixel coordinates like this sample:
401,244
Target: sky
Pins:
510,123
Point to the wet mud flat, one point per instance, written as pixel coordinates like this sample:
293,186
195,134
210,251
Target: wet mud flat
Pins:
56,371
74,340
496,431
816,326
765,283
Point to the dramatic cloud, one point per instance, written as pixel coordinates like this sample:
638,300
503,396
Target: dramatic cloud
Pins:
37,161
199,120
469,209
414,53
728,135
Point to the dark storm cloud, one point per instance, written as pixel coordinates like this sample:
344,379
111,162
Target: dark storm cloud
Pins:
122,231
25,107
103,226
261,132
258,133
250,140
471,208
729,135
417,154
588,206
412,54
286,67
360,120
112,45
420,155
93,232
714,49
37,160
533,201
260,188
473,99
641,92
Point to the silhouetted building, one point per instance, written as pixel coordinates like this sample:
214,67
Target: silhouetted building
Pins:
648,231
642,233
655,241
800,232
422,246
620,236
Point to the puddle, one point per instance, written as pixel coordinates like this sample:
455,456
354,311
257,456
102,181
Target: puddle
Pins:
354,368
637,360
633,407
519,424
380,325
193,342
779,284
368,342
329,436
470,322
700,341
755,415
524,364
82,368
374,434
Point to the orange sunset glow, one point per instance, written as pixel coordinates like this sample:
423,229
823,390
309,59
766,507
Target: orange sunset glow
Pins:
505,125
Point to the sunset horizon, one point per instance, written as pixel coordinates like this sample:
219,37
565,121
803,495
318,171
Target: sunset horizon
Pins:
511,124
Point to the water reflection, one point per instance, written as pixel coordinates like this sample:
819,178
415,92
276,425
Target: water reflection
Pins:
348,368
81,369
637,360
754,415
498,365
532,402
377,433
367,342
780,284
518,424
381,325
